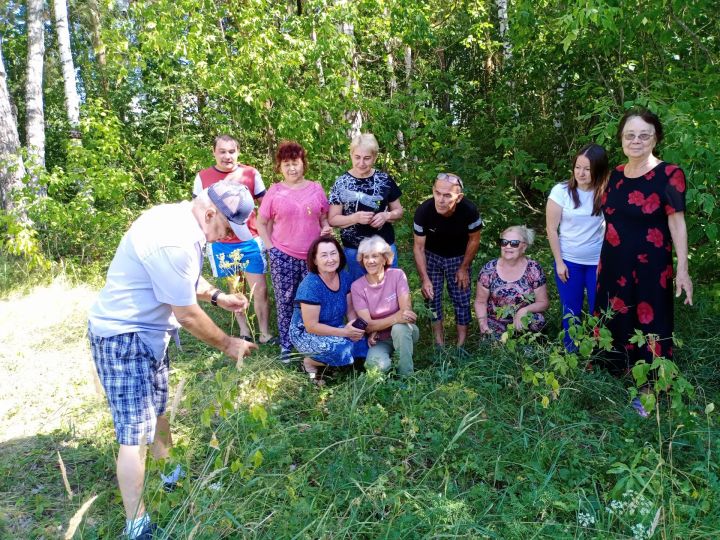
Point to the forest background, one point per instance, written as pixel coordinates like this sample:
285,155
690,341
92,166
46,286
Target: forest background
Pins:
109,107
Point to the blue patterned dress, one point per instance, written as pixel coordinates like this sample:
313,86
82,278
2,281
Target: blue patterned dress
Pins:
330,350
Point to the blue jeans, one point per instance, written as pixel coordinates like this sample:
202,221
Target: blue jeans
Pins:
583,277
357,270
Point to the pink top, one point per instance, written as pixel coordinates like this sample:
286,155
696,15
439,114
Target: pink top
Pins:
295,214
383,299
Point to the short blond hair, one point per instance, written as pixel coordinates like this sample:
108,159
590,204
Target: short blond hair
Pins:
375,244
527,234
367,141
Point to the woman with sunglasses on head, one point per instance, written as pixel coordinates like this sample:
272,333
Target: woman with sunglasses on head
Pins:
512,289
574,208
644,207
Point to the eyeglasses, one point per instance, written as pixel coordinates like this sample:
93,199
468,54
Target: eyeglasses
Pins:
644,137
503,242
451,178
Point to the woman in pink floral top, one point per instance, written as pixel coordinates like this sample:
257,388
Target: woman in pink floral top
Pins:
511,290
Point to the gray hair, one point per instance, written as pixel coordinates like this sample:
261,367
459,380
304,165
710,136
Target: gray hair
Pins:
527,234
367,141
375,244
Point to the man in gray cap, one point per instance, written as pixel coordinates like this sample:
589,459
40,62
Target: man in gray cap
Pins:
152,289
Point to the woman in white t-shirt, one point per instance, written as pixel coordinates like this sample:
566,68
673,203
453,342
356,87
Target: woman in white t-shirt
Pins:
573,207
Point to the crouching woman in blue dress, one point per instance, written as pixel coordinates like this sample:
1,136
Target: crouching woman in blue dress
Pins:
322,305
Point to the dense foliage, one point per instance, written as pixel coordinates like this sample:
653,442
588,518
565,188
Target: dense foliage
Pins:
436,82
464,450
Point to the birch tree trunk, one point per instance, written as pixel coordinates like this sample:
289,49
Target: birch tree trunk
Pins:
93,11
72,100
502,6
390,45
12,169
35,126
354,117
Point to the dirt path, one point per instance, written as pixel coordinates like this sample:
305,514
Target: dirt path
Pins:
46,374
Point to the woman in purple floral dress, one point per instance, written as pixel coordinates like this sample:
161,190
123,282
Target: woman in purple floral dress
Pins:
511,290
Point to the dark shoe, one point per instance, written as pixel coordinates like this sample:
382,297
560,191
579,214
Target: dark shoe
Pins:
248,338
150,532
274,340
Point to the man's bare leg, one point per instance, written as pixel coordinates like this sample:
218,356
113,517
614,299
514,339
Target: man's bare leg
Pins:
461,334
258,288
234,285
437,328
163,439
131,475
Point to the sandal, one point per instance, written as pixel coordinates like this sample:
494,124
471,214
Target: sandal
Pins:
248,338
272,340
314,376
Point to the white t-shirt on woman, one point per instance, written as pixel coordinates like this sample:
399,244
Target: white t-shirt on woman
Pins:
581,233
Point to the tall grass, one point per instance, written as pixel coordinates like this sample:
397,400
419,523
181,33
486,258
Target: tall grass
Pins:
463,449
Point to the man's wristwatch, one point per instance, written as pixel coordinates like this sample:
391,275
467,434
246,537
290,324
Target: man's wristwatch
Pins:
214,298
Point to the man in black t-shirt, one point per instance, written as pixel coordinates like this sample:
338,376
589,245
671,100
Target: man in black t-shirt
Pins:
447,238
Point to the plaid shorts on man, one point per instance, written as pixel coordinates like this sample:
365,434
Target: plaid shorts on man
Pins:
441,269
136,385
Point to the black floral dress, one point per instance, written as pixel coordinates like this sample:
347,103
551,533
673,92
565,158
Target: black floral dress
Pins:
635,274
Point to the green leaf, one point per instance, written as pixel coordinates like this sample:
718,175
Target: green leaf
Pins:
257,459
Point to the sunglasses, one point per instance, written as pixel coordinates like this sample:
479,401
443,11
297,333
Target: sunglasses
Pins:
451,178
502,242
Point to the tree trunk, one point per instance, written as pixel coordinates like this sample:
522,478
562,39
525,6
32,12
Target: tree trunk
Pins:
354,117
72,101
392,89
12,169
502,6
318,62
408,65
35,127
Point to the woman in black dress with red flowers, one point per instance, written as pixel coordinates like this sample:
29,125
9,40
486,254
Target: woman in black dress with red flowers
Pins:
644,208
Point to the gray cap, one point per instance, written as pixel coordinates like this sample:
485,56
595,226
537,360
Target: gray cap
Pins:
235,202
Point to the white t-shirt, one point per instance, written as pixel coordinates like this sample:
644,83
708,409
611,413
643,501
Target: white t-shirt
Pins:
581,233
156,265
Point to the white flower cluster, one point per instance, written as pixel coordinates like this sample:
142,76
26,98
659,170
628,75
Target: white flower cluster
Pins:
640,532
633,504
585,520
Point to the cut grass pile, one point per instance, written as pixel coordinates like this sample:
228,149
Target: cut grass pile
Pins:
461,450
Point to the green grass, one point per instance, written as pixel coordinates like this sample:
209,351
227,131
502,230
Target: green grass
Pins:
461,450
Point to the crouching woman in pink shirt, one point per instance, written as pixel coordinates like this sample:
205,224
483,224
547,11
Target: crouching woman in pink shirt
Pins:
382,298
292,215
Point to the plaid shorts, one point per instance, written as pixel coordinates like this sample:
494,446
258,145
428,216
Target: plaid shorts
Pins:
441,269
135,383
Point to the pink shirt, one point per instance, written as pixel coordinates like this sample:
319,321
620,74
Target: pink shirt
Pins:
383,299
296,215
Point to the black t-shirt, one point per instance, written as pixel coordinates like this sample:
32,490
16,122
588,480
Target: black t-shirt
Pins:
372,194
447,236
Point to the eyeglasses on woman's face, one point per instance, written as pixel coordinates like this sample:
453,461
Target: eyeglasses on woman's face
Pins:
504,242
644,137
